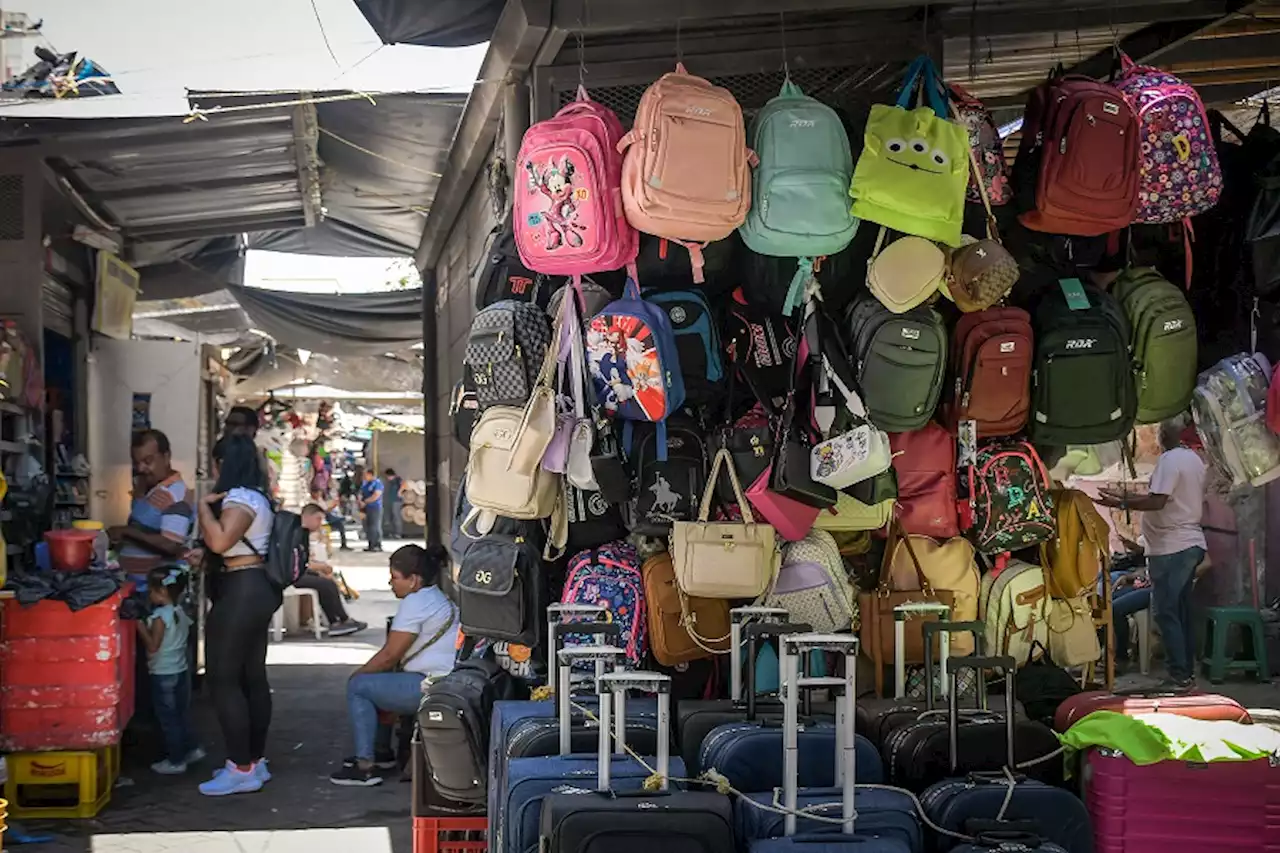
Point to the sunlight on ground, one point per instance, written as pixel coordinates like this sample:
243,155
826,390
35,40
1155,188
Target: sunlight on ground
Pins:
374,839
304,652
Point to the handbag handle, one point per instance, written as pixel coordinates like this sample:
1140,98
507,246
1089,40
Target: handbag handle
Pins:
993,232
896,535
922,71
723,460
541,387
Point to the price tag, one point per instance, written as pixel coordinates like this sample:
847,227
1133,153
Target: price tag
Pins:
1073,289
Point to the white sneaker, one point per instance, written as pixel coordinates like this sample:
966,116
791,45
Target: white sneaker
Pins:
196,755
232,780
168,768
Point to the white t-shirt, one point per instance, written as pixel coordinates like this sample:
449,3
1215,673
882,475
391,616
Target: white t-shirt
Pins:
1180,474
424,613
259,532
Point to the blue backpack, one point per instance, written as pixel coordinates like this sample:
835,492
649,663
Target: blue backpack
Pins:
697,342
635,363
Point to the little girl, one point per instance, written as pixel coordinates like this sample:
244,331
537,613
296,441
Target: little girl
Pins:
165,636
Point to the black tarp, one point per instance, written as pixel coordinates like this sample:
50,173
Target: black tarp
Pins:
346,324
432,23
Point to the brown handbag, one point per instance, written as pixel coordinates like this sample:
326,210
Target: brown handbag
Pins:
670,613
876,632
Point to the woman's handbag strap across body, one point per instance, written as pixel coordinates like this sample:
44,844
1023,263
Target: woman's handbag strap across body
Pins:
723,460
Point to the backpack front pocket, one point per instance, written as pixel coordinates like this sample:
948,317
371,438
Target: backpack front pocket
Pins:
805,202
696,158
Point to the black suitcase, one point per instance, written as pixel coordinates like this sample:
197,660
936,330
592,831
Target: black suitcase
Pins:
605,821
1003,807
919,754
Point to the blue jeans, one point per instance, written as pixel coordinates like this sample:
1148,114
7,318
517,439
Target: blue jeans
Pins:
369,693
1124,604
171,698
1171,577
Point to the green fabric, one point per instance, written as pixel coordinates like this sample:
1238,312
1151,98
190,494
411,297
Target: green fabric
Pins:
1163,342
1148,738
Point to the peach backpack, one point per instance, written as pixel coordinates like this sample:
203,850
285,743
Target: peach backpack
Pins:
686,171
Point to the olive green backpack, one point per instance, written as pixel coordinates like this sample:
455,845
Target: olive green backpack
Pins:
1163,342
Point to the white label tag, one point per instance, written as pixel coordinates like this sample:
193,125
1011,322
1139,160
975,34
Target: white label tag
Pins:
968,454
1110,108
1007,346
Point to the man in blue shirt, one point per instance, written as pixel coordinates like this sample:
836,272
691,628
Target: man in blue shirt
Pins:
371,503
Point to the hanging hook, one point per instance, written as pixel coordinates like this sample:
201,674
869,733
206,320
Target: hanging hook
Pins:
679,44
582,57
782,28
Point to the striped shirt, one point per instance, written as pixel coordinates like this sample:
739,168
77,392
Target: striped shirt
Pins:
165,509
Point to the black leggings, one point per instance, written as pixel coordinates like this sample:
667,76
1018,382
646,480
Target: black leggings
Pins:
236,651
330,596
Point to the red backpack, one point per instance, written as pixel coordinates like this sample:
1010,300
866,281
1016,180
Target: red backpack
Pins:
1078,163
925,462
991,354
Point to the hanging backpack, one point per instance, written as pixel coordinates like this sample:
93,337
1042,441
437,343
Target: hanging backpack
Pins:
925,464
1077,168
761,347
988,149
697,337
812,586
901,361
1179,176
991,354
464,408
749,441
800,204
634,361
1009,498
1014,606
1080,548
670,473
609,576
1082,387
665,264
593,521
567,220
505,350
501,274
592,298
1163,343
686,169
502,590
1230,407
453,720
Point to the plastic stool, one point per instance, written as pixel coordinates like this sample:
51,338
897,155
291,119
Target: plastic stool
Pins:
1220,620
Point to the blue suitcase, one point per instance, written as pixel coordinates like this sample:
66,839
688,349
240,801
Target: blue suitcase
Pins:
749,755
1044,817
886,821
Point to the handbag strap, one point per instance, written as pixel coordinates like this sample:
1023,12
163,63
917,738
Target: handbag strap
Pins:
993,232
723,460
542,388
896,535
924,73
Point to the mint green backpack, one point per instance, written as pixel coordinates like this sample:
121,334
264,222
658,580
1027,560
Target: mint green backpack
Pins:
799,191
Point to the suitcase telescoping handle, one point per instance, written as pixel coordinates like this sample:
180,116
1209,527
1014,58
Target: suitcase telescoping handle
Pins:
615,685
602,655
756,633
901,614
738,617
558,614
954,667
792,685
946,629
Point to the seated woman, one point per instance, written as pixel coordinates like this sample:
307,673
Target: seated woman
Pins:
421,644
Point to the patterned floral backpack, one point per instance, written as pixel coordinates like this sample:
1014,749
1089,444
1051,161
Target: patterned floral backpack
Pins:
1180,175
610,576
1009,498
988,150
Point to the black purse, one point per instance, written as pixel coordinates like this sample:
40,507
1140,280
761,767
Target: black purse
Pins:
793,445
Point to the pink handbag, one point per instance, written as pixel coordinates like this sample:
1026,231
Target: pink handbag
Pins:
791,519
568,193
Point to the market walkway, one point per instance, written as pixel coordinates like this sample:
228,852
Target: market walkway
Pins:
299,810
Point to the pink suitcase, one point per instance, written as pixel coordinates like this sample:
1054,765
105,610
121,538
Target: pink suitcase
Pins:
1181,807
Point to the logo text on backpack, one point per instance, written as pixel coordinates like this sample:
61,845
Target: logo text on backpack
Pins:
1007,346
1081,343
1110,108
1172,325
911,334
677,315
804,122
697,111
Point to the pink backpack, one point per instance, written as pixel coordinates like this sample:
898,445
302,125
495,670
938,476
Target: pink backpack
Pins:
568,205
686,175
1180,175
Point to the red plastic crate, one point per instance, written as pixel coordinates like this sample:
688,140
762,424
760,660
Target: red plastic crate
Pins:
55,619
450,835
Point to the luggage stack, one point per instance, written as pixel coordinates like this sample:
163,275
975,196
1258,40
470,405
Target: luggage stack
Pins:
776,391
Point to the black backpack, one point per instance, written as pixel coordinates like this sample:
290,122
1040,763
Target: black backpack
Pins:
670,491
502,275
664,265
1083,388
593,521
760,346
288,550
766,280
502,589
454,721
460,543
464,409
504,351
697,336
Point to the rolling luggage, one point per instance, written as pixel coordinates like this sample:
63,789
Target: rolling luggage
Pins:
610,821
994,805
886,820
1200,706
530,780
919,754
1182,807
1009,841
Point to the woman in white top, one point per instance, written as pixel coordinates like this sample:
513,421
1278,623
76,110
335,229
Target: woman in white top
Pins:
421,643
236,522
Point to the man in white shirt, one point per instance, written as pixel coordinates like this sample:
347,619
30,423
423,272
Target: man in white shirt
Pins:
1175,544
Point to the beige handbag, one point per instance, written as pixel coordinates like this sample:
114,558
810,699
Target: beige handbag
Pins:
906,273
948,567
1073,639
496,484
723,559
538,422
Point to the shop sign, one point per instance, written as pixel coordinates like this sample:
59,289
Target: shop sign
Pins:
117,290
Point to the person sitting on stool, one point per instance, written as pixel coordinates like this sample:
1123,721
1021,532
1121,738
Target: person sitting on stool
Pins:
319,576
